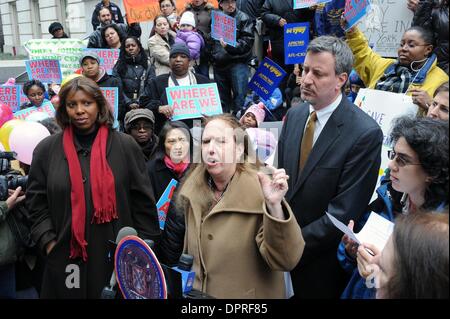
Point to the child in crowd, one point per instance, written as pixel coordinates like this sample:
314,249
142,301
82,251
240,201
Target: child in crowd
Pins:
188,35
263,140
273,106
355,84
35,92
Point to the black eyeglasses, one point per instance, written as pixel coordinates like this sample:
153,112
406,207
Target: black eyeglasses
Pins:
401,162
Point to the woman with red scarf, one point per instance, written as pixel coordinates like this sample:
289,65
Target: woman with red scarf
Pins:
171,163
85,184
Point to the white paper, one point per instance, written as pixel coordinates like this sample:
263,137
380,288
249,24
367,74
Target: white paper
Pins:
376,231
339,225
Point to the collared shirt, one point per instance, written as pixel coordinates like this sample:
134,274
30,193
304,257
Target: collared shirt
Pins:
323,116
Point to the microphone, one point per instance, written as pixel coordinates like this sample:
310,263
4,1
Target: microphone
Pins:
109,292
187,276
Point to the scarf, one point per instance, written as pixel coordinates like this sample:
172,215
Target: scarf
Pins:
396,79
102,189
177,168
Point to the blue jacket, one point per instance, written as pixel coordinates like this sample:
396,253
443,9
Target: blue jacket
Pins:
356,287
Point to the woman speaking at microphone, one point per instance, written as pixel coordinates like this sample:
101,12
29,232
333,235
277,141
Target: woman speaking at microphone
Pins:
239,229
85,184
414,72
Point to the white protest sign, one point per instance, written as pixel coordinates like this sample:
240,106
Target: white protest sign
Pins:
385,24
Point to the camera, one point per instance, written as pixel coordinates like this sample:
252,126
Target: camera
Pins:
9,179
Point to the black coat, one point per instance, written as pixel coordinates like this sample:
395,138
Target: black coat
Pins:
155,96
339,178
273,10
242,53
251,7
434,17
172,237
111,81
131,77
49,204
116,14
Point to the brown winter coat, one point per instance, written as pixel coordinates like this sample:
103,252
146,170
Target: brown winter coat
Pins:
239,250
49,203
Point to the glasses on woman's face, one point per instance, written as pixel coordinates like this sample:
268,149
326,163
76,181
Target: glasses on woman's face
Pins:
399,159
411,45
163,6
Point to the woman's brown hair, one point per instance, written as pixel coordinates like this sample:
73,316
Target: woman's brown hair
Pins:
88,86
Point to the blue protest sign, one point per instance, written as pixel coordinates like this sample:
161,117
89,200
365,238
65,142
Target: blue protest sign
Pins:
223,27
46,107
296,40
163,203
267,78
111,95
355,10
10,95
300,4
190,102
46,71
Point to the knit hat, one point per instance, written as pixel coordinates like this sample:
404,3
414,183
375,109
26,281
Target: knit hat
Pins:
54,26
180,48
89,54
137,114
258,111
187,18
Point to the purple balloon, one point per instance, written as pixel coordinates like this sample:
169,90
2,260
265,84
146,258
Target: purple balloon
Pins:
24,139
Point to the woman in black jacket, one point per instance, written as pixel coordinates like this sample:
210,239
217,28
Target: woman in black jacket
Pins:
133,70
433,15
171,163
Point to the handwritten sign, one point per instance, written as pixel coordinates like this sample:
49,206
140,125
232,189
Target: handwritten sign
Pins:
385,24
300,4
108,58
111,95
47,107
145,10
67,51
163,203
10,95
296,40
355,10
46,71
223,27
190,102
267,78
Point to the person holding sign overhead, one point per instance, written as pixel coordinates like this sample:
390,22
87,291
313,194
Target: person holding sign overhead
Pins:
230,63
414,72
331,150
85,184
155,97
416,182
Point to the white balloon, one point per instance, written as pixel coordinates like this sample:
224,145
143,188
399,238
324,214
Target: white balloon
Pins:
37,116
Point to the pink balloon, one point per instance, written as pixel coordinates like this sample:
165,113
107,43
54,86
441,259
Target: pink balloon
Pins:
5,114
24,139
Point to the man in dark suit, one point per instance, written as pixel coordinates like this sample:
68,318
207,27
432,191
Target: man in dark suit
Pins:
331,151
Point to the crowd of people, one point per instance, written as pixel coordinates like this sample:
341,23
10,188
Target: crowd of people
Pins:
250,207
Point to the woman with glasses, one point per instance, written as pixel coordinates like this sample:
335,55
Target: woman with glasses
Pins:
35,92
417,181
414,72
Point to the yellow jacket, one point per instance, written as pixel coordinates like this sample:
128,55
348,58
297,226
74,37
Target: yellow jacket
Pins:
370,66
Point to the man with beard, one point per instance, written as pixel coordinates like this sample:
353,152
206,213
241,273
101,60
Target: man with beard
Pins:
155,98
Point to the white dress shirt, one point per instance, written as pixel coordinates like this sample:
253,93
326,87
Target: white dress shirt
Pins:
323,116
